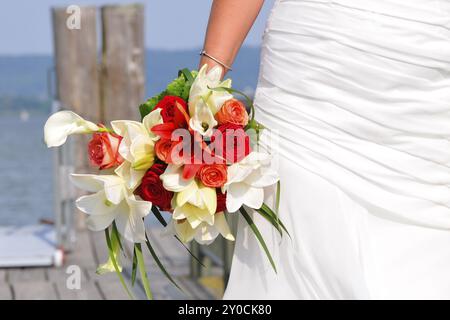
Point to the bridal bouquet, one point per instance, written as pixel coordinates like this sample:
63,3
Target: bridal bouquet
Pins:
194,155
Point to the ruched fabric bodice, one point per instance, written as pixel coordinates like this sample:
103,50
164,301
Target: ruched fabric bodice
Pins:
359,92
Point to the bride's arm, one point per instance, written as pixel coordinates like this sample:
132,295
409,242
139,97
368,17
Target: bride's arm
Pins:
228,25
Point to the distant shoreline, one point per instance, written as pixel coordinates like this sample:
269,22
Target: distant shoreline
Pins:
24,78
50,54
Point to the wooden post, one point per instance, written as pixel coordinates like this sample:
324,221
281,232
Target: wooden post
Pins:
123,55
99,92
76,63
77,86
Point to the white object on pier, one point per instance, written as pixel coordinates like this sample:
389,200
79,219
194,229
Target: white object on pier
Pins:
29,246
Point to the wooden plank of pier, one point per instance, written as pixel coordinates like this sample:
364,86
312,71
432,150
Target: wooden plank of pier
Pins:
5,291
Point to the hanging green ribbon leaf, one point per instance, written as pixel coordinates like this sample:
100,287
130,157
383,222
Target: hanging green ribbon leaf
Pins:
115,236
114,262
277,198
161,220
190,252
159,216
108,266
258,236
142,271
158,262
271,220
266,209
134,267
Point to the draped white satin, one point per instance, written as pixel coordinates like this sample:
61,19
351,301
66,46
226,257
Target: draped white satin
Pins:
359,92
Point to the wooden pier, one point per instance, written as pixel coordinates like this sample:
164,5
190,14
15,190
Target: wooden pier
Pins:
90,250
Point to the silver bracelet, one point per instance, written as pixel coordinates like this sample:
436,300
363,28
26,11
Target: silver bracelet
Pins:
206,54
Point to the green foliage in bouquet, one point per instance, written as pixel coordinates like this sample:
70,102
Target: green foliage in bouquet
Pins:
147,107
179,87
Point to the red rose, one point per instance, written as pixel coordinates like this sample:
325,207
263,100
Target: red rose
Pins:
103,150
213,175
151,188
173,109
235,143
221,200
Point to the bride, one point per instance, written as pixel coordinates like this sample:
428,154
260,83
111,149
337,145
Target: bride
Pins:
359,92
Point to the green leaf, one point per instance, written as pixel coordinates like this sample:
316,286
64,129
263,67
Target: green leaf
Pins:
271,220
109,266
277,198
269,211
142,271
134,268
115,236
181,85
148,106
277,206
258,236
190,252
255,125
159,216
158,262
187,74
114,262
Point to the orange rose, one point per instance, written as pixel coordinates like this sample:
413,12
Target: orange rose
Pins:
163,148
232,111
213,175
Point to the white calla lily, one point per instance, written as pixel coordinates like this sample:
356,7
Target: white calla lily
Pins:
64,123
203,120
137,147
112,201
246,181
204,233
201,96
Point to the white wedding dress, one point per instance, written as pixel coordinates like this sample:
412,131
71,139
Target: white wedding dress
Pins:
359,91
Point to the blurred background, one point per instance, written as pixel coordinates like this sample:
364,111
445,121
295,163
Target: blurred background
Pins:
31,200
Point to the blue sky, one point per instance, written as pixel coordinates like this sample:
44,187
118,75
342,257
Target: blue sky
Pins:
25,25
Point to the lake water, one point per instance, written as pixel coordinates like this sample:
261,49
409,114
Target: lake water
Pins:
25,171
